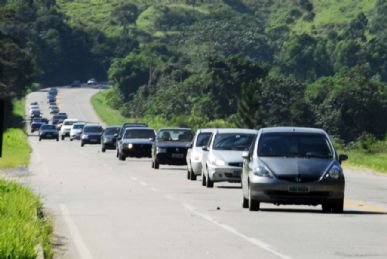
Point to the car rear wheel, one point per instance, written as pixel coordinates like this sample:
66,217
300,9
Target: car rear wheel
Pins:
253,204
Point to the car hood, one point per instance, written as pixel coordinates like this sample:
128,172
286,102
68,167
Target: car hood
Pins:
76,130
49,131
228,155
92,134
137,141
166,144
297,166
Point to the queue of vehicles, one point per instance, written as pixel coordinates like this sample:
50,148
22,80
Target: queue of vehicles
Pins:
280,165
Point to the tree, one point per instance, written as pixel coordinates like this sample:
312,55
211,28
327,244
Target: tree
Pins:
125,14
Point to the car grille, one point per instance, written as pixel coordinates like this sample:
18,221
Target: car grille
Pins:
298,178
236,164
290,194
177,150
142,147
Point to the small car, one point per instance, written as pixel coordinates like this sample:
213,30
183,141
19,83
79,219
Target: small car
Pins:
292,165
35,126
76,130
58,118
48,131
66,127
91,81
124,126
75,83
194,153
170,147
54,109
39,119
136,142
91,134
222,157
35,114
108,138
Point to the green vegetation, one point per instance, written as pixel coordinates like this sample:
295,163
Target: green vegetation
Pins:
16,150
22,227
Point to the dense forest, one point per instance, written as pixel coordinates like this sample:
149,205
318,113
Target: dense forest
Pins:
247,63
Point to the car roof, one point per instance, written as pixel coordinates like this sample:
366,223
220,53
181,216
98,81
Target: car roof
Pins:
236,130
138,128
93,125
293,129
175,129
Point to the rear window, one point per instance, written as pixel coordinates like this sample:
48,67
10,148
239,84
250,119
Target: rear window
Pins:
294,145
232,141
202,139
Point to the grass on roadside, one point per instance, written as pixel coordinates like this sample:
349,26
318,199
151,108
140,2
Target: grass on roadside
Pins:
21,226
376,161
16,150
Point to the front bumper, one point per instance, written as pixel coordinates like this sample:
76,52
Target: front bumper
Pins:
224,173
75,136
109,144
272,190
171,158
49,136
138,150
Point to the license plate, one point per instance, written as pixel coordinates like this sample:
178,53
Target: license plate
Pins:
49,135
298,189
177,155
94,140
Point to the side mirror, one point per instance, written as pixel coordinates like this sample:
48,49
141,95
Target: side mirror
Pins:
343,157
245,155
205,148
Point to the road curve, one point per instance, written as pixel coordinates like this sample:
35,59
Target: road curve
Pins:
106,208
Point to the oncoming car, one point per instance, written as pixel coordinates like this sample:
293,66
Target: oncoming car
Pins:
48,131
222,157
293,166
91,134
108,138
76,130
136,142
194,153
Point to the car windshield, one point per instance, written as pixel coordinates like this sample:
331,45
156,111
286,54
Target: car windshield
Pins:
202,139
78,126
232,141
67,123
48,127
294,145
182,135
112,131
93,129
139,133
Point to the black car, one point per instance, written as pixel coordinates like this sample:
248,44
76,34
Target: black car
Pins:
35,114
136,142
170,147
108,138
59,118
124,126
91,134
35,126
48,131
39,119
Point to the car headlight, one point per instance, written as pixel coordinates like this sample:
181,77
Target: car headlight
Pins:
262,171
129,146
334,173
85,136
217,162
161,150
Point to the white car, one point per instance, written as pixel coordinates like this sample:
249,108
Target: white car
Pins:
76,130
222,159
194,153
66,127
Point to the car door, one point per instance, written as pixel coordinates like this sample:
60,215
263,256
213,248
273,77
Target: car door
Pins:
247,163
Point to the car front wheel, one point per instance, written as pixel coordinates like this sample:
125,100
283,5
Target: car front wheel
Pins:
209,182
253,204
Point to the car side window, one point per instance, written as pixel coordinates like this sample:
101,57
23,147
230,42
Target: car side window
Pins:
251,149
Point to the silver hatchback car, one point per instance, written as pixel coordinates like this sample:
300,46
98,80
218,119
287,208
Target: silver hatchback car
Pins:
293,166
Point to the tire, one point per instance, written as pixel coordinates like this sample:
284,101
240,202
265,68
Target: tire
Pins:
103,149
193,176
82,143
245,203
62,137
253,204
203,180
336,206
157,165
209,182
188,174
153,164
40,139
121,157
57,139
117,153
71,139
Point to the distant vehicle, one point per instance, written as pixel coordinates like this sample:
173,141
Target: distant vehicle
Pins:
62,114
75,83
222,158
58,118
54,109
39,119
108,138
91,134
195,152
125,126
53,91
35,126
48,131
136,142
91,82
293,166
33,103
76,130
35,114
66,127
170,147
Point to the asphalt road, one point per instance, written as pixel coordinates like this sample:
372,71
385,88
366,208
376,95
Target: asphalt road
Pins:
106,208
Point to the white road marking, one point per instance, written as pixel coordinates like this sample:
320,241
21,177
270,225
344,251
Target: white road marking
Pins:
251,240
83,251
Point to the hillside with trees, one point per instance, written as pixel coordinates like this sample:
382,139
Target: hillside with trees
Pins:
211,62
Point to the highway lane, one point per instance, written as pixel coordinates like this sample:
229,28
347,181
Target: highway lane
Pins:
106,208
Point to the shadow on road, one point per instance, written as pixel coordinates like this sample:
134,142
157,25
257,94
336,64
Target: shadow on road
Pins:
173,169
346,212
229,187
